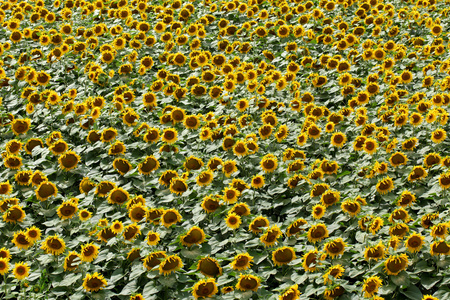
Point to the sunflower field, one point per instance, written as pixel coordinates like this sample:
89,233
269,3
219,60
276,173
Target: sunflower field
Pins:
253,149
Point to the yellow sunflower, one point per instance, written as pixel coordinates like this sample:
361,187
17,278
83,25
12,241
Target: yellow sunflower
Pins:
395,264
53,245
205,288
170,264
21,270
248,282
94,282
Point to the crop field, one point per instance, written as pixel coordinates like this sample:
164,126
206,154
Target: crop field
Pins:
260,149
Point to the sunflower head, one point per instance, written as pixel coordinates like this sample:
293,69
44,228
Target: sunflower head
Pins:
94,282
170,264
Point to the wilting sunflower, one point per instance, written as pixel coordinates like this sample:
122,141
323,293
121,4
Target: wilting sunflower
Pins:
248,282
45,190
209,267
335,271
21,270
395,264
178,186
257,223
294,227
205,288
72,261
375,252
89,252
122,165
53,245
131,232
317,233
385,185
351,207
170,264
68,160
283,256
440,248
153,259
335,247
292,293
310,260
439,230
195,235
242,262
14,214
371,286
94,282
270,237
170,216
233,220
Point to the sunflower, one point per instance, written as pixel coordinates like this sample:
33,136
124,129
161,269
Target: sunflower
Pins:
385,185
4,266
169,135
395,264
210,203
318,211
13,162
444,180
233,220
14,214
21,241
152,238
317,233
230,195
33,234
209,267
122,166
68,160
67,210
242,262
137,212
5,188
118,196
170,264
398,159
438,136
89,252
195,235
283,256
20,126
417,173
94,282
117,227
269,163
170,216
270,237
4,253
53,245
205,288
248,282
21,270
371,286
329,198
414,242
